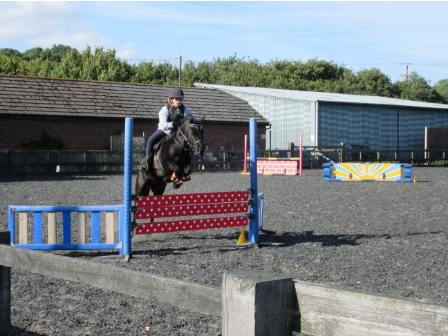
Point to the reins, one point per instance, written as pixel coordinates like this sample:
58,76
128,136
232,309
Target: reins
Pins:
190,145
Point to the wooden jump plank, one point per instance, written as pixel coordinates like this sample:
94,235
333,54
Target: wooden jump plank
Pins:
23,228
81,227
110,232
51,224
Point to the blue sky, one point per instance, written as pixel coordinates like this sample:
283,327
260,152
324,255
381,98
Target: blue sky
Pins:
386,35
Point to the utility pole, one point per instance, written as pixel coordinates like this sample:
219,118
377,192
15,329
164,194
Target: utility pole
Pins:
405,77
180,70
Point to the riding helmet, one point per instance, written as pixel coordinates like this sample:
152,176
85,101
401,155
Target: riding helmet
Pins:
176,93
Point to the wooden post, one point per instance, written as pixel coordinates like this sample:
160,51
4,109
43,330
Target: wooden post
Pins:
5,291
342,148
290,149
257,304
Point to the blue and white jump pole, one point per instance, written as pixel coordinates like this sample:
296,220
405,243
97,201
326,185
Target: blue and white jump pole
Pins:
127,188
254,218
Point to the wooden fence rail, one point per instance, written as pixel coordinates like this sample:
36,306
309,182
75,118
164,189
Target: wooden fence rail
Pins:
109,161
83,161
316,309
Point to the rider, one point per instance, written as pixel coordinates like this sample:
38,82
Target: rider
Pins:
167,121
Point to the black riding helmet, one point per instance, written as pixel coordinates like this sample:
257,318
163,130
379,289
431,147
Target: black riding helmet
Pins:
176,93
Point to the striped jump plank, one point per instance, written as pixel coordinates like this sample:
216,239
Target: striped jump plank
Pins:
276,159
190,225
191,210
199,198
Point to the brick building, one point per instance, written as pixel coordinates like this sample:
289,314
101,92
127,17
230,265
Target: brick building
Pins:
84,114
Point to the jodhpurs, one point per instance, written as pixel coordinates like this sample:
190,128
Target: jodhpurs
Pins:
154,139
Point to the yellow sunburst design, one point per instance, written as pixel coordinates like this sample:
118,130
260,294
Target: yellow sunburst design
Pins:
367,171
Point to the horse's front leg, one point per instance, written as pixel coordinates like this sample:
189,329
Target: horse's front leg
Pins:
183,178
171,170
186,172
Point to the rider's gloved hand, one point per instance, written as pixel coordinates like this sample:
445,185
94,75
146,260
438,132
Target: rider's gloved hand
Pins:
174,116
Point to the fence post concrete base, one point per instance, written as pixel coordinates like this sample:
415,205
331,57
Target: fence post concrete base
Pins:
5,291
257,304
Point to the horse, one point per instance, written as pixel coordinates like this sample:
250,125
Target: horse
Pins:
171,161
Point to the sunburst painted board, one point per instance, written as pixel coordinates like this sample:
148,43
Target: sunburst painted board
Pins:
367,172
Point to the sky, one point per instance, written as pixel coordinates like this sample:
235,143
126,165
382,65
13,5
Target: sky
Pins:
357,34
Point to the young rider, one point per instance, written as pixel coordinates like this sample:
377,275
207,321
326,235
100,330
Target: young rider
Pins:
167,121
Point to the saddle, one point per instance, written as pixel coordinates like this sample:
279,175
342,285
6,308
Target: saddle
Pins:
147,161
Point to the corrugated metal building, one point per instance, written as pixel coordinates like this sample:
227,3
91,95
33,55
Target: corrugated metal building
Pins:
327,119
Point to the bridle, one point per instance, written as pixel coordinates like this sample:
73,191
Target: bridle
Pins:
190,144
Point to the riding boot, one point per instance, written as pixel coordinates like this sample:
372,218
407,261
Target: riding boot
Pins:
144,167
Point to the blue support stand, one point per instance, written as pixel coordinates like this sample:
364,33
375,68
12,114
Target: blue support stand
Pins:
126,224
253,224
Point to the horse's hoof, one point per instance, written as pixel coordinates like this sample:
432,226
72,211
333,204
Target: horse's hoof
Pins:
177,185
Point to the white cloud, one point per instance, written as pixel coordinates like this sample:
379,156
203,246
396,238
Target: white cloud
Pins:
46,23
81,36
24,20
175,13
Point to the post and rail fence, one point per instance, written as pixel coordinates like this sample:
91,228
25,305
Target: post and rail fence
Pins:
311,308
111,161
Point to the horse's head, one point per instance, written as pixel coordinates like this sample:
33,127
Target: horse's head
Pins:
193,134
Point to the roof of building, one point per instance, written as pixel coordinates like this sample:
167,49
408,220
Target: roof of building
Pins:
326,97
66,97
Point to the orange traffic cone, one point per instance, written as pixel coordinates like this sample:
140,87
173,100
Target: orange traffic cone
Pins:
242,238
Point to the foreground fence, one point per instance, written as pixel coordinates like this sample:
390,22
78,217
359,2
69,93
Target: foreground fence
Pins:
293,305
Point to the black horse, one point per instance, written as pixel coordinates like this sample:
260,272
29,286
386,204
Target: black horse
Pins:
171,161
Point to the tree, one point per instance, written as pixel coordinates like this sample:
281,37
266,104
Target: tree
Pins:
57,52
102,65
32,54
10,52
9,64
416,87
441,87
199,73
62,61
370,82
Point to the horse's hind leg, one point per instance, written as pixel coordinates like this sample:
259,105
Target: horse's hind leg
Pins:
142,184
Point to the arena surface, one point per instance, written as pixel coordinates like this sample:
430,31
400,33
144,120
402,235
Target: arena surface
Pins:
383,237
